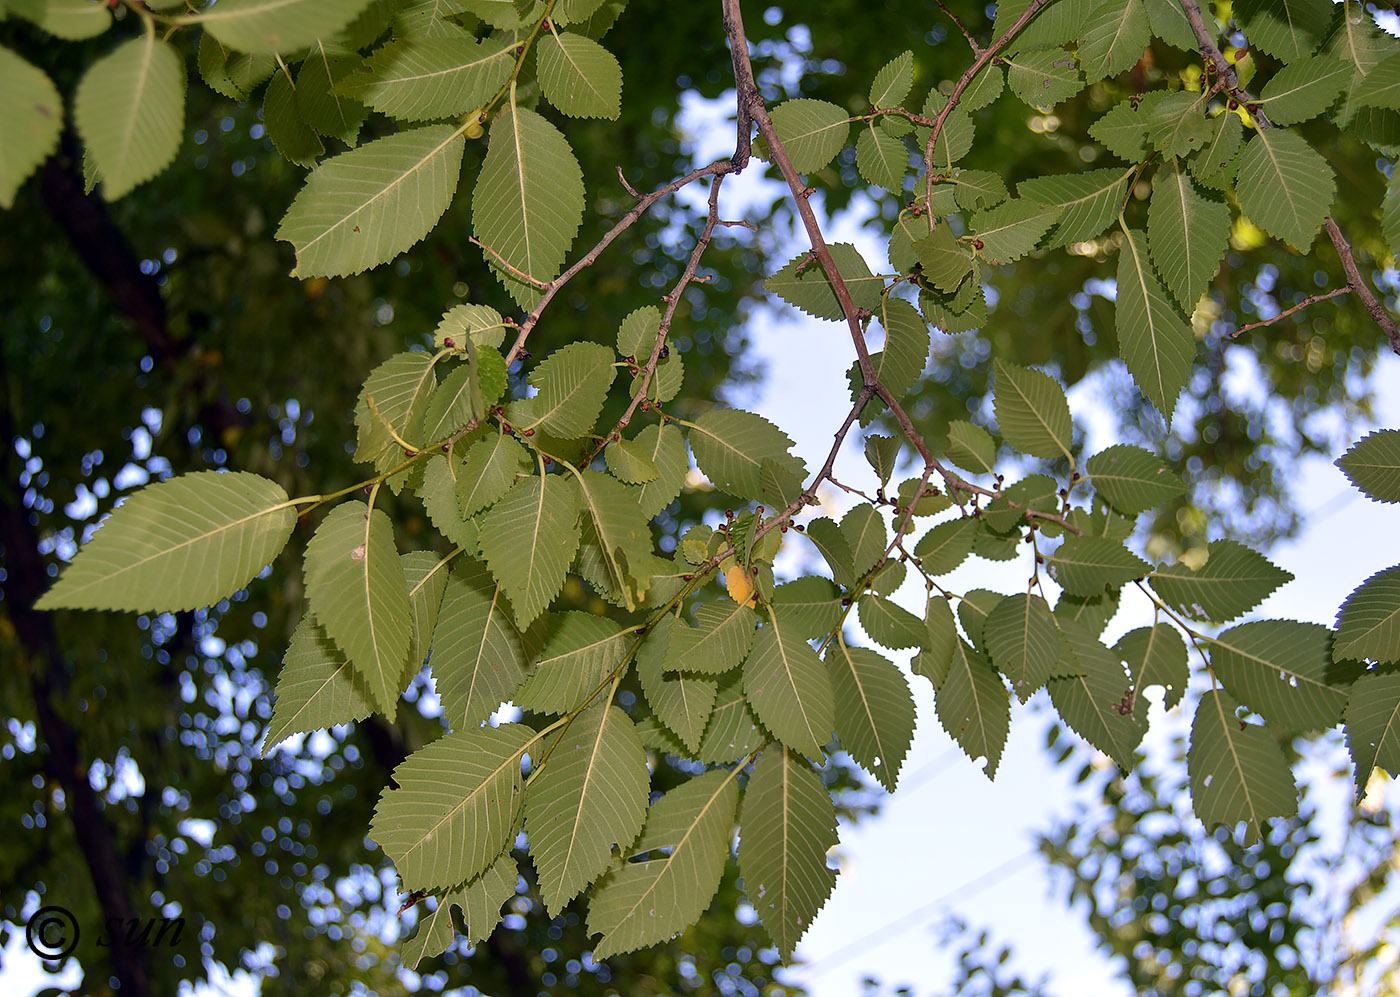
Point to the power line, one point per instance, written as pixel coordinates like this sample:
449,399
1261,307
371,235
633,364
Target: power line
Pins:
917,918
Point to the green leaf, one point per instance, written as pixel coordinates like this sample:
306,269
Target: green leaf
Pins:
903,359
788,687
464,395
681,702
642,903
233,74
930,503
891,85
719,643
415,79
1156,655
979,188
874,709
881,159
321,104
394,396
1187,234
359,593
946,546
1303,90
528,538
488,471
810,605
505,14
804,283
1023,642
1382,84
866,536
316,688
73,20
1170,24
268,27
1088,565
426,574
1237,771
480,902
974,707
579,76
1032,412
364,207
636,337
628,462
1373,726
882,453
588,796
1043,78
955,137
733,731
130,111
31,118
1154,338
479,656
1133,480
528,201
1290,30
1085,203
812,132
889,624
1122,131
940,638
1114,38
573,383
1097,703
481,324
1233,581
1285,186
1011,229
1279,669
615,536
294,138
729,447
1373,465
944,261
457,806
178,544
1176,123
985,88
1368,624
789,824
1094,611
971,447
835,549
664,446
1216,163
580,654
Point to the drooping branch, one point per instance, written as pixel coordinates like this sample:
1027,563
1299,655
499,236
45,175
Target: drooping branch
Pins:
1211,54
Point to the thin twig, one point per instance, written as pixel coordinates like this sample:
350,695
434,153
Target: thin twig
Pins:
622,179
984,56
535,281
719,167
672,299
1310,300
976,49
1211,53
